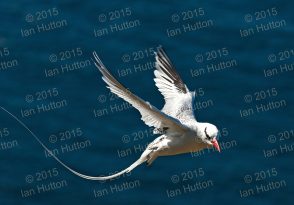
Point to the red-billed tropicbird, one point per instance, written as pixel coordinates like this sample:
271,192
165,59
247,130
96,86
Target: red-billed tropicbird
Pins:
181,131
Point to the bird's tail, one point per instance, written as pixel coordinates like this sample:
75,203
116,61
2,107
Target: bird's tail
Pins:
142,159
127,170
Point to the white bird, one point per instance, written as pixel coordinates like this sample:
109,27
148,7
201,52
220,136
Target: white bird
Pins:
181,133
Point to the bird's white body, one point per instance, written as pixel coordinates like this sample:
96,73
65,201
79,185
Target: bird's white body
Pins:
166,145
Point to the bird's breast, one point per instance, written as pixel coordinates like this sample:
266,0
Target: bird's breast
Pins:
183,144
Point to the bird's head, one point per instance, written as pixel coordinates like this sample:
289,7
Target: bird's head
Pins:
209,135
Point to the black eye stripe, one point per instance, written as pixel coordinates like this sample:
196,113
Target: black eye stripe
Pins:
206,133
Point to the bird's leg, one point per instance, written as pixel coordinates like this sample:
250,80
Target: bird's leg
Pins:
151,158
154,149
152,155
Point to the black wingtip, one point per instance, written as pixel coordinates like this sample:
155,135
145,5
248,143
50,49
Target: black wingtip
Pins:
160,49
95,58
97,61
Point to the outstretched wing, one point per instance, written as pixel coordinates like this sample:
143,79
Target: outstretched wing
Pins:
150,114
178,99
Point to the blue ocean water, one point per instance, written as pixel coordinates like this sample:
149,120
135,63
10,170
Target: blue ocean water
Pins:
237,56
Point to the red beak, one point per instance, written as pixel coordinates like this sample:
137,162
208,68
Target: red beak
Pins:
215,144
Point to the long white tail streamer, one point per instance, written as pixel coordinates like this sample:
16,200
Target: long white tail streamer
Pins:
136,163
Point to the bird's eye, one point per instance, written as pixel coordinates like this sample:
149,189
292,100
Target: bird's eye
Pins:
207,136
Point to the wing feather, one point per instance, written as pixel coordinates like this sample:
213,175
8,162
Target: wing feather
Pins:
150,114
178,99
